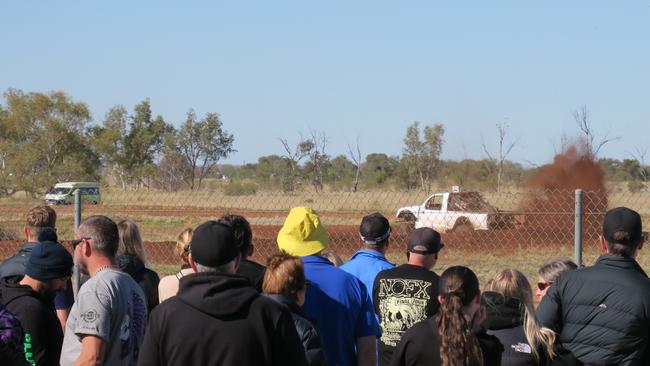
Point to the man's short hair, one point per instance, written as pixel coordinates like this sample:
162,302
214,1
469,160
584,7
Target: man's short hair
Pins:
224,268
242,231
103,233
38,218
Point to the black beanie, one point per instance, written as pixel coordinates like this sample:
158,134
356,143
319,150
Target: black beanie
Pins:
48,260
47,234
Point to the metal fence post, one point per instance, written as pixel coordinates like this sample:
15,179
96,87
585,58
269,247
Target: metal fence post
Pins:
76,276
77,208
577,238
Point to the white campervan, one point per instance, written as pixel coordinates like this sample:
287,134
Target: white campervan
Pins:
63,193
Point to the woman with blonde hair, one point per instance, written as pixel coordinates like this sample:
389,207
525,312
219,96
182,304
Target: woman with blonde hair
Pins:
132,259
549,272
168,286
508,299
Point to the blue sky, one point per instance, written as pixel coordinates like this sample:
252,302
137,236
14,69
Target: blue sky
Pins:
275,69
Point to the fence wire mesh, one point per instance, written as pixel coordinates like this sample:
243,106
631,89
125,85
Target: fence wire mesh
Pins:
488,231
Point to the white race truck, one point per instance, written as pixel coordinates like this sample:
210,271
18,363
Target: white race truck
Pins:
457,211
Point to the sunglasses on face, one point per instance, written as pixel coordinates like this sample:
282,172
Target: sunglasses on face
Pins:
77,242
543,285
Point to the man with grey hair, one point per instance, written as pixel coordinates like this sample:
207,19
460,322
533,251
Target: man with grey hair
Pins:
224,320
107,322
602,313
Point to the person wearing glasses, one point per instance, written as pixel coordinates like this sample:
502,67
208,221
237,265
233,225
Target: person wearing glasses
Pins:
549,271
107,321
508,300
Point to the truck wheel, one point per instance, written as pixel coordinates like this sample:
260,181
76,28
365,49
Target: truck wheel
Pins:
407,224
462,225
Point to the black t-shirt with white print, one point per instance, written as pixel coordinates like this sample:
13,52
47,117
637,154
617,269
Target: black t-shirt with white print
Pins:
402,296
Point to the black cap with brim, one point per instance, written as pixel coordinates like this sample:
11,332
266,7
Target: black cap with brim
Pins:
374,229
213,244
622,226
425,240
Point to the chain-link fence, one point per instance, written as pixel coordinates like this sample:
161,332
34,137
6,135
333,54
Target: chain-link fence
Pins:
488,232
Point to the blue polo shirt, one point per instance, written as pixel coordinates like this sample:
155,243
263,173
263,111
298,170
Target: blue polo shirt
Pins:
365,264
342,308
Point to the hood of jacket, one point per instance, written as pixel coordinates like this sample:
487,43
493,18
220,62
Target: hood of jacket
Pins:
220,295
11,289
130,264
501,312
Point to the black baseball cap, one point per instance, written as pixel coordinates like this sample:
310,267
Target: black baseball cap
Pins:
622,226
213,244
424,240
374,229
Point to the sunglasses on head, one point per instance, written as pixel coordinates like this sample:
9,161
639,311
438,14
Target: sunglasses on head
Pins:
543,285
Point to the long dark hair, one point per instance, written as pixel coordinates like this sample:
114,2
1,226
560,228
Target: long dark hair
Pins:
458,346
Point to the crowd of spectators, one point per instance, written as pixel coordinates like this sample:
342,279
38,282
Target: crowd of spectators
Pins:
307,307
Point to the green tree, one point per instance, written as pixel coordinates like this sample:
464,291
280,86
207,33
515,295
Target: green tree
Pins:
379,168
173,170
44,139
142,144
340,170
108,139
421,152
203,143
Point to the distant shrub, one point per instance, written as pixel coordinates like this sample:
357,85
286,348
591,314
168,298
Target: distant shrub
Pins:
635,186
240,189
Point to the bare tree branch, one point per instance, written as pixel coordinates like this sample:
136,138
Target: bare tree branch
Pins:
356,159
581,117
504,150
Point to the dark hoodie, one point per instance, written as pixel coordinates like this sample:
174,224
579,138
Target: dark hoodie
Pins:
219,319
43,334
146,278
504,320
11,339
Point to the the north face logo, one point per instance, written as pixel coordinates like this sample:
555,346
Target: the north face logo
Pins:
602,306
522,348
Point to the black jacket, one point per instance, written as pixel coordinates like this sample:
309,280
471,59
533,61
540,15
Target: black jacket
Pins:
305,329
420,346
15,265
253,271
219,319
43,334
146,278
602,313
